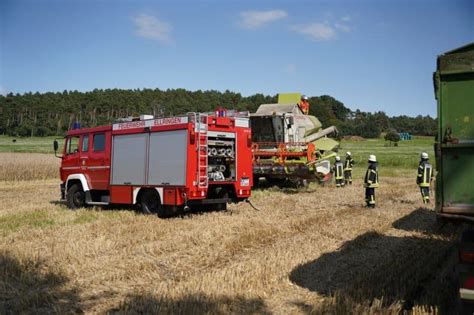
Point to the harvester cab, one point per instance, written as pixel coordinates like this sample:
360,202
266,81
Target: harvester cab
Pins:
289,145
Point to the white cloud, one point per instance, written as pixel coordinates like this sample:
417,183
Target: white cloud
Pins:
256,19
149,26
342,27
316,31
3,91
346,18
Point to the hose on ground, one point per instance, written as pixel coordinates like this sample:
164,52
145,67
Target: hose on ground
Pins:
250,203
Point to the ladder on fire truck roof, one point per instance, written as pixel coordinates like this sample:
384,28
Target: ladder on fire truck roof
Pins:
201,127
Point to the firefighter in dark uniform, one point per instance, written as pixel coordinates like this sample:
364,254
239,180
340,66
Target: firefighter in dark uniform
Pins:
425,175
371,181
348,165
338,171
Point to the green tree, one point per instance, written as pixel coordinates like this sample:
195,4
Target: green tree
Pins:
392,136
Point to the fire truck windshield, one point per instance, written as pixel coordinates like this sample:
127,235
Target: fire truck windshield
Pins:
72,145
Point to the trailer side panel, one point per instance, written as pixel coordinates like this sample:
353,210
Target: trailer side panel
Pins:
454,90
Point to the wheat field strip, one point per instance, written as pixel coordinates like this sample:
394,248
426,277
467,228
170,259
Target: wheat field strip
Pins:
239,261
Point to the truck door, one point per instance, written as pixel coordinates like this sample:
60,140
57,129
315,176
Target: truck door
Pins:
84,153
98,160
70,163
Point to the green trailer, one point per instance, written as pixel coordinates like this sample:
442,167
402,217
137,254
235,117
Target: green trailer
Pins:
454,148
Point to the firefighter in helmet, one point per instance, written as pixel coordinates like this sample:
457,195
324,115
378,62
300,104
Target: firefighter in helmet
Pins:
304,104
425,175
348,165
371,181
338,171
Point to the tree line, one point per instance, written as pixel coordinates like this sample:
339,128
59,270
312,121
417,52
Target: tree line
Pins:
49,114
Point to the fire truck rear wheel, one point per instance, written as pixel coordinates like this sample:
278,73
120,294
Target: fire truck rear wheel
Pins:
75,197
150,203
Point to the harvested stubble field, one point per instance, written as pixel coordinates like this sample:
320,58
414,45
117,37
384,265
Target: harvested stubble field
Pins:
298,254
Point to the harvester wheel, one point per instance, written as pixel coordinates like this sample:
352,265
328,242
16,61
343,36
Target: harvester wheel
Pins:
150,203
75,197
297,183
302,183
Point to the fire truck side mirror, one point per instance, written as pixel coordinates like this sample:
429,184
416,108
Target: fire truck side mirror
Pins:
55,147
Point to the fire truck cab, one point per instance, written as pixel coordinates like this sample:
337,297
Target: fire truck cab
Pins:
161,164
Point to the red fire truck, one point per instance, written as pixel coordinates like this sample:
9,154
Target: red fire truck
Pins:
161,164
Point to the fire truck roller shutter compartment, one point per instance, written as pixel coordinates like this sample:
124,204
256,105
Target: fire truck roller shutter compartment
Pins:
129,159
167,161
222,156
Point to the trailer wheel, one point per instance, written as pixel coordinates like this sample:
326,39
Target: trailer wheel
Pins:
150,203
75,197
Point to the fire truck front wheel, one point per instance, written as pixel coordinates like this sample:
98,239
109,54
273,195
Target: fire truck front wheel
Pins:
150,203
75,197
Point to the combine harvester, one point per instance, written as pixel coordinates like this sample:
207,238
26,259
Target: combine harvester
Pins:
290,146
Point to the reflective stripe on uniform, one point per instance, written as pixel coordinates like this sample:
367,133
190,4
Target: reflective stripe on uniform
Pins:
425,194
339,171
348,165
372,183
426,176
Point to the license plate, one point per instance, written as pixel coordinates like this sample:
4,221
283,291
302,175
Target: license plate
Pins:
245,181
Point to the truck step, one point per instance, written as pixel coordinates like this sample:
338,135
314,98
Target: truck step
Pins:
97,203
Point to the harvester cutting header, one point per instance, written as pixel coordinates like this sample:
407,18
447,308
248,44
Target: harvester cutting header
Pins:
289,144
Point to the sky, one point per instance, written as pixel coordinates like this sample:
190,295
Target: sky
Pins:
373,55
